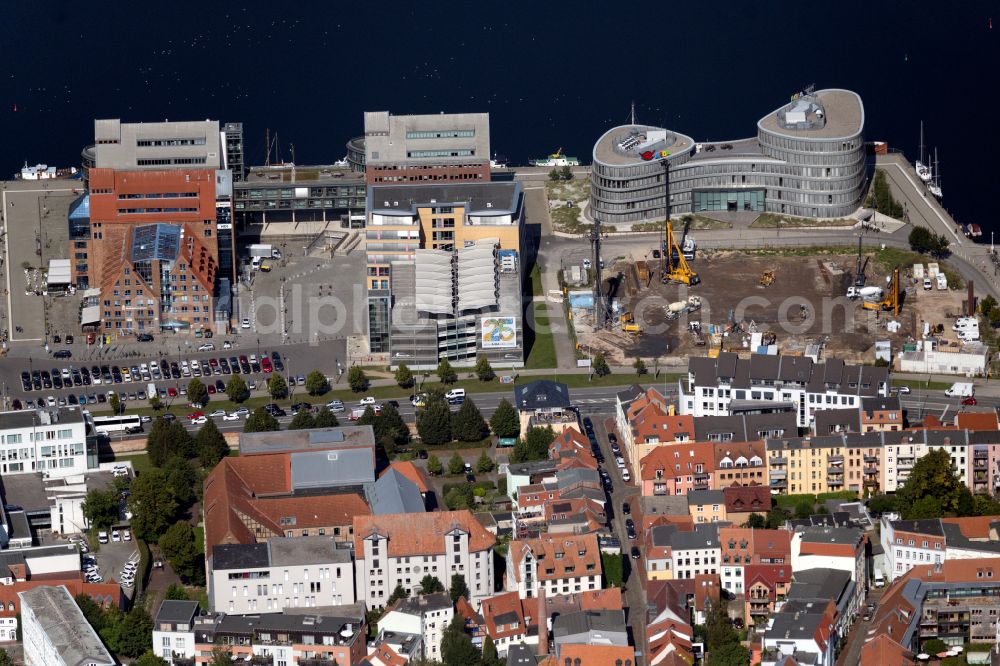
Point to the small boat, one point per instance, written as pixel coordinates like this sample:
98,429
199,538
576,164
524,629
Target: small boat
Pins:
556,159
498,162
974,231
934,187
923,170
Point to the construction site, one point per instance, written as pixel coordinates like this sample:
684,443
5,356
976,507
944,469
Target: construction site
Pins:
686,302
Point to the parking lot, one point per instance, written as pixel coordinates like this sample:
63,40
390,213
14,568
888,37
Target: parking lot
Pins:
112,557
305,300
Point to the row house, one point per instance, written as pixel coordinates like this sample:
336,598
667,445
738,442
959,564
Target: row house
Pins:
676,469
673,553
839,548
881,414
674,607
401,549
571,444
806,465
506,621
744,501
742,547
572,483
802,631
707,506
721,385
765,588
553,564
645,420
739,464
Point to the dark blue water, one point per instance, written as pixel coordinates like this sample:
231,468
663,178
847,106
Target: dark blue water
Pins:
551,74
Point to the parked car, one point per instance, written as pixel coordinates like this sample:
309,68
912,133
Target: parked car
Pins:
971,400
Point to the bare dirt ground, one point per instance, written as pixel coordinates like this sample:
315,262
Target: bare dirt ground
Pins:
805,304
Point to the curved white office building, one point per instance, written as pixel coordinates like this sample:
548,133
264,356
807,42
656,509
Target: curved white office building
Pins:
807,159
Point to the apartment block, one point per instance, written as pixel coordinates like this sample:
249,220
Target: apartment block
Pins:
426,615
554,564
55,631
401,549
806,465
279,574
173,632
718,386
742,547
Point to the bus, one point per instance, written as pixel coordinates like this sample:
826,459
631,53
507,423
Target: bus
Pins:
117,425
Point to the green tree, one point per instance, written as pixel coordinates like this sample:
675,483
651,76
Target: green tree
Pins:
456,645
434,466
566,173
237,389
95,615
719,628
987,305
640,366
367,417
925,508
537,440
880,504
221,657
931,476
303,420
458,588
731,654
934,646
147,659
756,521
316,383
397,594
484,370
456,465
434,420
460,497
211,445
804,509
485,464
446,373
357,379
326,419
554,175
197,392
505,421
115,404
152,503
261,421
100,508
181,478
178,545
600,365
776,517
390,430
277,387
467,425
155,403
176,592
880,198
404,377
430,584
135,635
614,569
986,506
921,239
167,439
490,656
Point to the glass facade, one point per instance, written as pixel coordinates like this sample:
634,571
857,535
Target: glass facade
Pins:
729,200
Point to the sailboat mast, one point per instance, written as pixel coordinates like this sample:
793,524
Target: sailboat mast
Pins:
922,142
633,113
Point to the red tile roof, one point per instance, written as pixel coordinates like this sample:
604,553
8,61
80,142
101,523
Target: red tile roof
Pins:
884,651
743,499
421,533
597,655
664,458
973,527
503,604
106,594
411,472
545,549
977,420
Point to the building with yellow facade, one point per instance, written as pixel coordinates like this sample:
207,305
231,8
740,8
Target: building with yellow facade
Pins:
444,269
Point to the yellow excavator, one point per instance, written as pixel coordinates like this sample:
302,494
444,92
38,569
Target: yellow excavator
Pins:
677,269
891,300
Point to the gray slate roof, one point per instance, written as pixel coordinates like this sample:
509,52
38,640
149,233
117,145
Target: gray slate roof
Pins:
394,493
542,394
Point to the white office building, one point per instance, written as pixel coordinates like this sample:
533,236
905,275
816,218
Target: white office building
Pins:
56,442
173,630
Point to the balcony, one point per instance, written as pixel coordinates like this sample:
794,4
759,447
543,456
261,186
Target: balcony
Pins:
777,462
835,469
317,662
834,482
778,474
835,460
872,459
700,485
872,470
979,454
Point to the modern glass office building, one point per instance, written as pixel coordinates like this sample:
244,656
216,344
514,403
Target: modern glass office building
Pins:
808,160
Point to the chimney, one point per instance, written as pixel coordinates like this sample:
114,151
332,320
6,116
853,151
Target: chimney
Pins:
543,622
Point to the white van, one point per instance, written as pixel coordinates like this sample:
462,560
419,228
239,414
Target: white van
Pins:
255,262
927,283
455,393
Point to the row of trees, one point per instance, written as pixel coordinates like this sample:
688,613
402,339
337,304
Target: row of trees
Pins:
925,241
932,490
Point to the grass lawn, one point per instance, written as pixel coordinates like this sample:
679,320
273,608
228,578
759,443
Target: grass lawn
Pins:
921,384
140,462
199,539
542,352
770,220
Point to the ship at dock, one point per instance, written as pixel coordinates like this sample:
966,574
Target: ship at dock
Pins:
556,159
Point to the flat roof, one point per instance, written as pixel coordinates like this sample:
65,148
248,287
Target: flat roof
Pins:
843,111
317,439
65,626
290,175
606,149
26,490
493,198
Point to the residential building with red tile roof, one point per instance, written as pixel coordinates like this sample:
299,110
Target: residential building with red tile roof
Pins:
507,622
743,547
744,501
249,499
596,655
574,516
553,564
650,422
884,651
572,445
765,587
401,549
984,420
674,469
739,464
